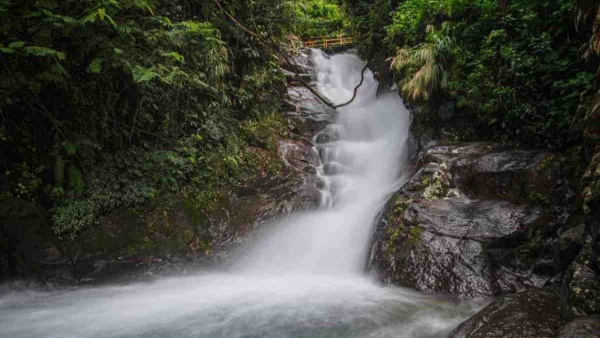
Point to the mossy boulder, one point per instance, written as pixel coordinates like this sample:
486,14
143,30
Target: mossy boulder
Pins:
483,218
441,246
581,287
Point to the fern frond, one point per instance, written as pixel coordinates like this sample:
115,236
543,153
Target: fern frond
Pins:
44,52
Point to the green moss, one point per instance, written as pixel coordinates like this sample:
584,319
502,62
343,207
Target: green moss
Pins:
546,164
435,186
415,234
536,197
529,251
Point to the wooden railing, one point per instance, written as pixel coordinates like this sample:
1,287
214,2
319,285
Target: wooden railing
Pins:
328,41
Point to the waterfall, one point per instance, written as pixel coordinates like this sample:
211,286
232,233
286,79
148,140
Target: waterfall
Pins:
362,156
303,278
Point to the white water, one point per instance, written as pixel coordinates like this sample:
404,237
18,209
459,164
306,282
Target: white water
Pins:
303,279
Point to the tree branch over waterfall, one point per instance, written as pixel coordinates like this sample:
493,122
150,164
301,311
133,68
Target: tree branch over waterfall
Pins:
273,47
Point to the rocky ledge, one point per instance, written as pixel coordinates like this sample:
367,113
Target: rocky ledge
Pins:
480,220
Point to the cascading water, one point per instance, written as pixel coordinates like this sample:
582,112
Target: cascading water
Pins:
304,278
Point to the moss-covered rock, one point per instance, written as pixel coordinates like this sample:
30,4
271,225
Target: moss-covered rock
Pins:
581,287
480,231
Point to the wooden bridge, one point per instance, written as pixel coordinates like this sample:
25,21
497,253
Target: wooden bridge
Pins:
328,41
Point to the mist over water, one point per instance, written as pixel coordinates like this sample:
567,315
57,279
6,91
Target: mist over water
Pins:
303,278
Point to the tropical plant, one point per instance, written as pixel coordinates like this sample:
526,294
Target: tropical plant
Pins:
319,18
107,104
513,69
423,67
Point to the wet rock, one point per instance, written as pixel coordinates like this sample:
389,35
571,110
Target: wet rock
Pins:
291,77
512,175
302,63
569,244
442,246
463,218
586,327
446,111
580,294
529,314
309,107
463,225
412,146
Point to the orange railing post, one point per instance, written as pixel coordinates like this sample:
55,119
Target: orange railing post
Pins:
327,41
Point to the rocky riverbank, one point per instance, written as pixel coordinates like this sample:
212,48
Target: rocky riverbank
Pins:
483,220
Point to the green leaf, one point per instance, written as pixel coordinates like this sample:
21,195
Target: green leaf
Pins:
76,179
57,68
89,18
112,22
44,51
141,74
4,8
70,148
16,44
144,5
96,66
102,13
178,57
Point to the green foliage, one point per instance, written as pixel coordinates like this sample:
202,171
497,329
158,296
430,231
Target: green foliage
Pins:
319,18
514,70
108,104
424,67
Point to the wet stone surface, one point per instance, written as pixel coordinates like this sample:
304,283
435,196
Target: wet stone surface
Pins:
529,314
463,225
584,327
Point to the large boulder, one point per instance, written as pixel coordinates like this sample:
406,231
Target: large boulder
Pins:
529,314
479,220
509,174
442,246
473,221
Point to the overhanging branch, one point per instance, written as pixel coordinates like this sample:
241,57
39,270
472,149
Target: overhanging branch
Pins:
273,47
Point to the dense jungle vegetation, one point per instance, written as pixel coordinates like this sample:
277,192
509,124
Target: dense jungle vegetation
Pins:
321,18
107,104
513,71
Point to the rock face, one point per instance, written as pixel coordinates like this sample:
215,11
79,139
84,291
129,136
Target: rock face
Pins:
295,188
472,222
529,314
454,234
478,220
581,287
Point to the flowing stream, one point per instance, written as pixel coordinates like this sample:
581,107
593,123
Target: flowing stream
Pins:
304,278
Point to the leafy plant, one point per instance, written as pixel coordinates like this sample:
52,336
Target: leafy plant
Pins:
108,104
424,67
